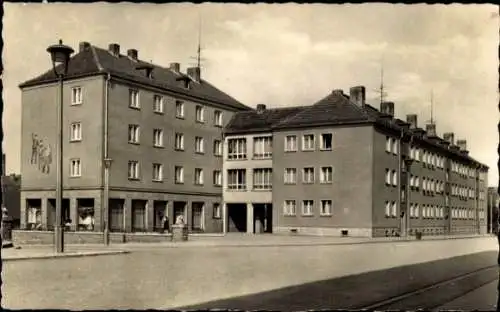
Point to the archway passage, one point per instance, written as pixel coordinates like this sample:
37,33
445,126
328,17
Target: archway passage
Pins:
237,218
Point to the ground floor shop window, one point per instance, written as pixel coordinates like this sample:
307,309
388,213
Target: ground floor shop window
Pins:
34,214
86,214
139,215
116,208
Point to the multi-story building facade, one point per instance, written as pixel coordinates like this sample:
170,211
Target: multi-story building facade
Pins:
342,167
140,142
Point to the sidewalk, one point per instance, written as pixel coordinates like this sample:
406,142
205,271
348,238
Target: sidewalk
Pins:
268,240
47,252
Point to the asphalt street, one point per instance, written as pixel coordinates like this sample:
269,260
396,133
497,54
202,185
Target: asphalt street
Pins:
292,277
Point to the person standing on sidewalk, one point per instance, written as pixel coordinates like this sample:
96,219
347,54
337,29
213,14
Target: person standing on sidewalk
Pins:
166,224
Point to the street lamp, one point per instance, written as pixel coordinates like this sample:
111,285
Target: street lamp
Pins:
408,162
107,165
60,55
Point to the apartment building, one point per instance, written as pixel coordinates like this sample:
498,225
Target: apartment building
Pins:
342,167
140,141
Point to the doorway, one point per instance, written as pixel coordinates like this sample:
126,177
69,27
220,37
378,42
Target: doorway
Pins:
179,210
263,214
237,218
197,216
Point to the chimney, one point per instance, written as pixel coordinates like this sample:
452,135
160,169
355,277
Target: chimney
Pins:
338,91
431,130
194,73
84,46
132,54
114,49
261,108
449,137
176,67
412,120
462,144
358,95
387,108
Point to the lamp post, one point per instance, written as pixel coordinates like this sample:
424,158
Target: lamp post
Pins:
408,162
60,55
107,165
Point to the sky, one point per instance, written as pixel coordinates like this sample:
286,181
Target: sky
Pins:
286,55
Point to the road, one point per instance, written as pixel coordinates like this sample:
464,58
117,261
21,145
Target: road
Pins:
155,278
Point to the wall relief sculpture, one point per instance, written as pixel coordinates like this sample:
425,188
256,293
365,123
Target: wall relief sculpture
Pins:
41,154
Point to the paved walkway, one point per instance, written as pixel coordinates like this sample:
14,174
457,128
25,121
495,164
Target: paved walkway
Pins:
47,252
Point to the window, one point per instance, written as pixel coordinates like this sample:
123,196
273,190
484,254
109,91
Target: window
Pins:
262,147
134,98
133,134
76,132
158,137
308,142
289,208
76,168
417,154
76,96
307,207
158,104
290,143
179,109
157,172
133,170
262,178
236,179
198,176
417,210
395,146
388,207
217,148
179,174
326,175
218,118
200,114
179,141
199,145
237,149
308,175
394,209
217,213
388,177
388,144
217,178
326,208
326,141
394,178
290,176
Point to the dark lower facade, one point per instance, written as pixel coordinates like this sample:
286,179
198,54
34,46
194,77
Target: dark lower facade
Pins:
252,218
128,212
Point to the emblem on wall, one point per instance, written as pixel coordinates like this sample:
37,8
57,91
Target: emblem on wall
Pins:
41,154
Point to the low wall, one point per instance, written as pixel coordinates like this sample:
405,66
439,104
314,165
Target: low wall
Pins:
20,237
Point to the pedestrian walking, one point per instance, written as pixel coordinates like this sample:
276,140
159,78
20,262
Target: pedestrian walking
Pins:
166,224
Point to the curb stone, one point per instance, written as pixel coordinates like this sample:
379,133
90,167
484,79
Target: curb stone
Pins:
67,255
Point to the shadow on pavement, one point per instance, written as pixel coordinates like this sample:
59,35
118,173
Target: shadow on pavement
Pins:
355,291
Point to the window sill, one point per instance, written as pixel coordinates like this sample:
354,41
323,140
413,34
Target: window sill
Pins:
158,146
218,155
200,121
216,218
236,190
159,113
289,215
180,117
308,215
135,107
179,149
290,183
134,179
177,182
157,181
261,158
308,150
326,215
75,141
217,126
261,189
198,184
307,182
76,103
326,149
290,151
133,143
199,153
75,177
236,159
326,182
217,185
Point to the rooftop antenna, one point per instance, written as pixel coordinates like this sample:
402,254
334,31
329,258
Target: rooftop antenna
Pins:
198,57
381,89
432,107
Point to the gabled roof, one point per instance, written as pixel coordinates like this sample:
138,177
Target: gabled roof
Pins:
94,61
254,121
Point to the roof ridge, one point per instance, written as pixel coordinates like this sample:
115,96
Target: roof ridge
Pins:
96,58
